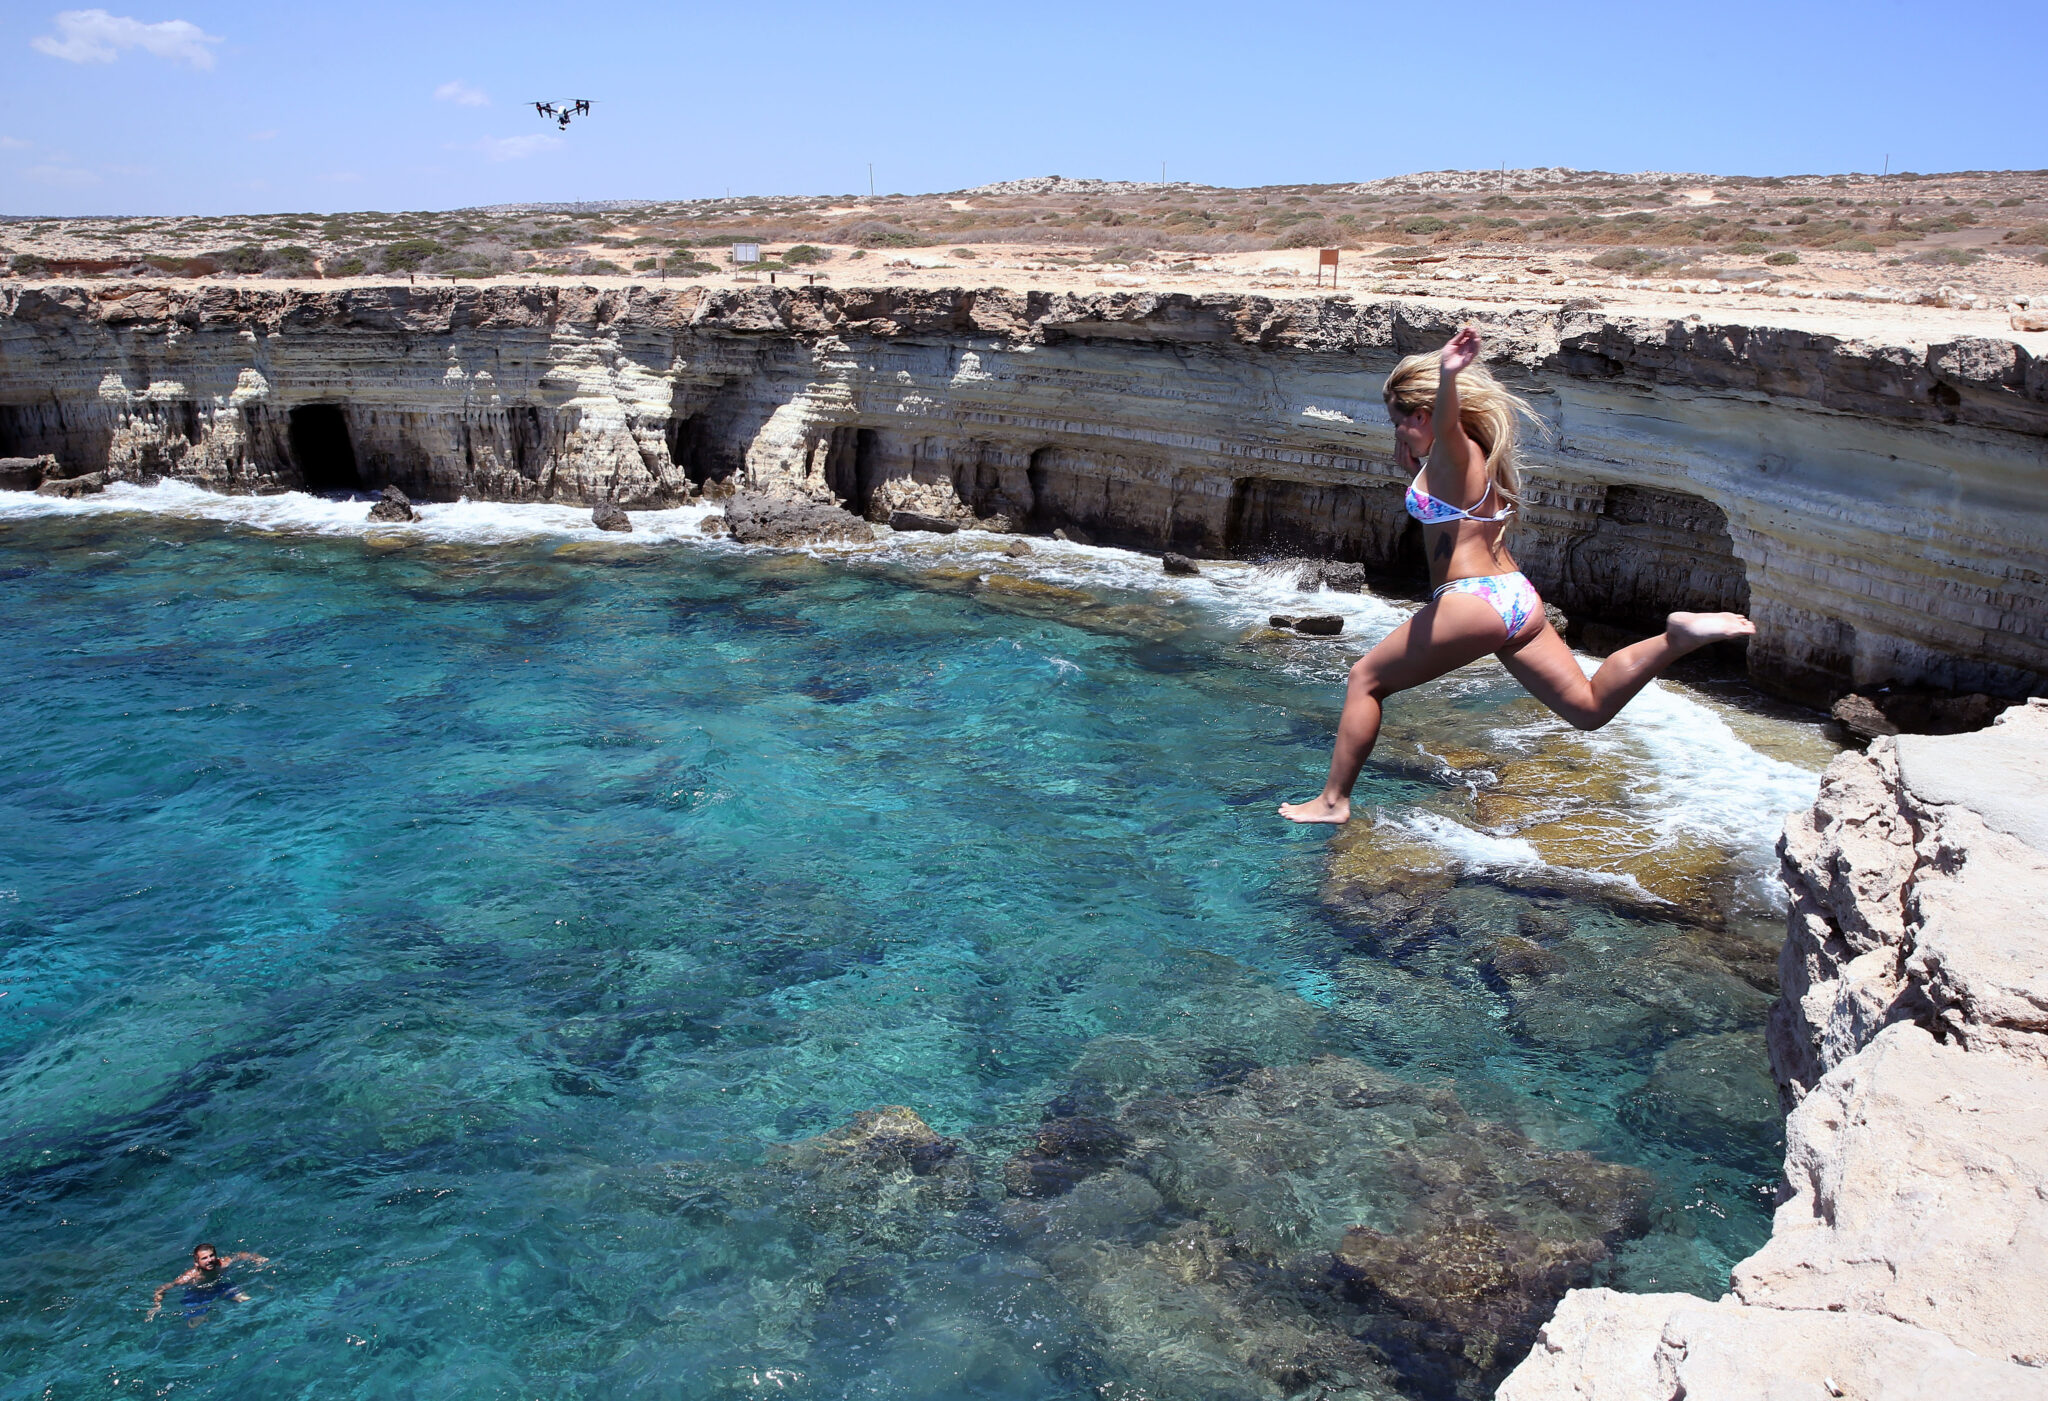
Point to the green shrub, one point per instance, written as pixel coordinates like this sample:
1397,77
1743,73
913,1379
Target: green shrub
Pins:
408,254
592,267
2012,203
29,265
1747,248
1627,260
1423,224
247,258
1853,245
646,264
1949,257
1783,259
346,267
691,267
2032,234
1406,250
959,253
1121,253
1312,235
806,253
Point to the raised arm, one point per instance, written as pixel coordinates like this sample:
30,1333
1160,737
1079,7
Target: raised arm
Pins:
1456,470
251,1256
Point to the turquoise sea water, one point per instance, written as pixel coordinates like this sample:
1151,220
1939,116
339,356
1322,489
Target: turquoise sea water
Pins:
465,923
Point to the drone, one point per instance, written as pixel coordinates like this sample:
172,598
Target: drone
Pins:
562,111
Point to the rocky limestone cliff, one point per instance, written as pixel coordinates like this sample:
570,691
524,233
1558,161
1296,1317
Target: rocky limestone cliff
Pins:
1910,1255
1882,512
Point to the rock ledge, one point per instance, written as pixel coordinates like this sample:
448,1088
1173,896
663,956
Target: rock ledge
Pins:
1909,1257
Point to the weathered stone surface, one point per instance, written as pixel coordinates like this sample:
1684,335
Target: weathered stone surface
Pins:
1919,1177
394,505
26,473
911,520
1090,413
774,520
1909,1256
607,515
1604,1346
91,484
1319,624
1018,549
1861,717
1178,564
2000,774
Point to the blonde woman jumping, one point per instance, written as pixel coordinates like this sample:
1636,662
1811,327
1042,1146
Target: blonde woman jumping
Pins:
1451,415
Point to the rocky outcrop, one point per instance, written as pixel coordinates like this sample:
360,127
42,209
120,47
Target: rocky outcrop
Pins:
71,488
756,519
26,473
1881,510
393,506
1909,1256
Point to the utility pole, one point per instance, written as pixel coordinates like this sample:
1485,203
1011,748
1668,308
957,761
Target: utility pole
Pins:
1162,172
1887,166
871,179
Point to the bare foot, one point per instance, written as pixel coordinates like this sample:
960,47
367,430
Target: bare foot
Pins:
1318,809
1690,630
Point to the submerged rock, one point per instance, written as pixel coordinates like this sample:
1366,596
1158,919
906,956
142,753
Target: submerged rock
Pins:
394,505
882,1178
1178,564
754,519
1065,1151
1225,1239
1018,549
608,515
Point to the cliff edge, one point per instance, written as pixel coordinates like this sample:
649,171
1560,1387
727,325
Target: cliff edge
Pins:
1909,1257
1879,509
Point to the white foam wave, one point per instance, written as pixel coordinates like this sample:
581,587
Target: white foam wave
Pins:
295,512
1476,850
1241,595
1483,851
1698,774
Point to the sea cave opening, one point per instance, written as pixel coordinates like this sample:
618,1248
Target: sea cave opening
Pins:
322,448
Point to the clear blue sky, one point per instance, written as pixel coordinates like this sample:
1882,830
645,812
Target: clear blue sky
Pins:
189,107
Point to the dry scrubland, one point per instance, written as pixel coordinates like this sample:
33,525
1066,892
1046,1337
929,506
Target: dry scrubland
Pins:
1972,241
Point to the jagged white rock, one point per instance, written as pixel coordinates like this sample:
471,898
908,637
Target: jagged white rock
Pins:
1910,1255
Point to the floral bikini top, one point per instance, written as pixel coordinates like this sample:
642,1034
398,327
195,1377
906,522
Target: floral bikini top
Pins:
1431,510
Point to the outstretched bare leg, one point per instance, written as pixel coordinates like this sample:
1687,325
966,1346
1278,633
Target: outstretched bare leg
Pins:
1450,632
1547,669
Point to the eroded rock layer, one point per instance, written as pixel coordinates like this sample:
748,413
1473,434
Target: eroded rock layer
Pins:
1882,512
1909,1256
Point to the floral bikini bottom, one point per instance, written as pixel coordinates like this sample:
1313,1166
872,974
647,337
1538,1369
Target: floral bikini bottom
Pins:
1510,595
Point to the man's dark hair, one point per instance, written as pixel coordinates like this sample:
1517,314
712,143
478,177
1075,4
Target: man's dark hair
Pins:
202,1246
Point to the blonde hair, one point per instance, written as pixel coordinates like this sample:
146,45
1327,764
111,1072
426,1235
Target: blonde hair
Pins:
1486,411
